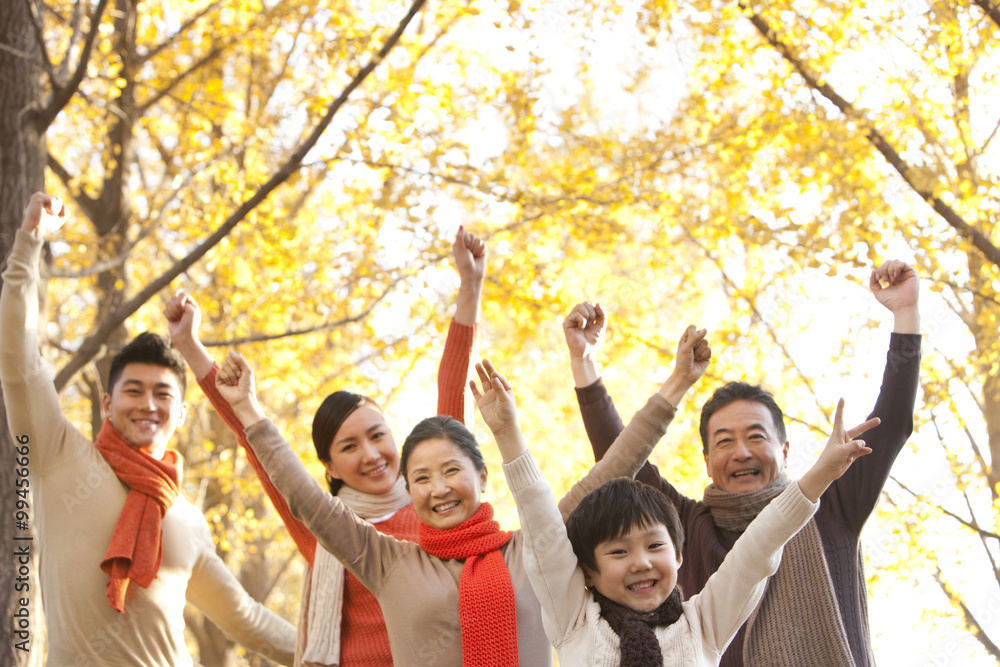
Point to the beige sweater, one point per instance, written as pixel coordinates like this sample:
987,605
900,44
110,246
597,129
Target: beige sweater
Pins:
419,592
76,500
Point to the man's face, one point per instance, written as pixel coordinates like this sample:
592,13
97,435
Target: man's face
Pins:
744,451
146,406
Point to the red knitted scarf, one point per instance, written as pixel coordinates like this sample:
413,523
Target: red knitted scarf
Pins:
486,606
136,546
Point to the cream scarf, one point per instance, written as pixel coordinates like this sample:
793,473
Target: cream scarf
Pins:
321,613
797,621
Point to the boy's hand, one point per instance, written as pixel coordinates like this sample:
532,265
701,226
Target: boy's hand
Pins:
496,404
842,450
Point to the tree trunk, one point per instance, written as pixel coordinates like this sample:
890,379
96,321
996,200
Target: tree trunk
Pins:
22,171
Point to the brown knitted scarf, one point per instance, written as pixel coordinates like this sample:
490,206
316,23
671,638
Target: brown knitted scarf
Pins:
639,647
797,621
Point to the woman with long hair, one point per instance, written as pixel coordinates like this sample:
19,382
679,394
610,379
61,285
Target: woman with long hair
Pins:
340,621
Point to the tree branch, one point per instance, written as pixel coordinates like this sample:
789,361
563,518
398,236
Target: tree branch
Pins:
62,94
992,10
37,24
113,320
971,525
970,619
982,243
326,326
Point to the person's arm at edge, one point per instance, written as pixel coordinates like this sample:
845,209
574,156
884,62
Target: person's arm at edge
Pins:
184,315
33,408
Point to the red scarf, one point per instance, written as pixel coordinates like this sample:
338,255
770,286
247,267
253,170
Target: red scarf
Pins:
136,546
486,606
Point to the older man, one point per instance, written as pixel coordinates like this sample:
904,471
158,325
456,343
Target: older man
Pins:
815,610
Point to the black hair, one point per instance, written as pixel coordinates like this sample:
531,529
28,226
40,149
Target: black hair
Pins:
740,391
615,508
149,348
330,416
441,426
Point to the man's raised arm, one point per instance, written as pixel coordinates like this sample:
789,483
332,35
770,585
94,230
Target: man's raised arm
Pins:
33,408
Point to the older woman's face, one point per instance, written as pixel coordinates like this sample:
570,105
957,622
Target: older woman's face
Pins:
444,484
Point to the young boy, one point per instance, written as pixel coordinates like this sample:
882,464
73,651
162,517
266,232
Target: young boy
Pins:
607,579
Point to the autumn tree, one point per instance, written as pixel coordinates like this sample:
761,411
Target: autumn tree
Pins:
681,161
818,139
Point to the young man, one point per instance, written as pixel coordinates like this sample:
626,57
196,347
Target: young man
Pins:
815,610
122,550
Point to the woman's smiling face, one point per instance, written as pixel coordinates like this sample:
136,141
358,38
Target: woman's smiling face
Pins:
444,483
363,453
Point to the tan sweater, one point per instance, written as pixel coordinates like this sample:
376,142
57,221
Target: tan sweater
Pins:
419,592
76,500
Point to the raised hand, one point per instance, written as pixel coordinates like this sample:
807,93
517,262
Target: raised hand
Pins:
44,215
584,327
235,383
470,257
499,410
901,285
841,451
183,317
693,354
496,400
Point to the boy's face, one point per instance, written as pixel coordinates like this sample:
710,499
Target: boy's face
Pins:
638,569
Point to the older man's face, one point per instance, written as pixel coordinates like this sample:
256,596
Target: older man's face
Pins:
744,451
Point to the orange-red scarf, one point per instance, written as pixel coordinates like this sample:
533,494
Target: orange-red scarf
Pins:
486,606
136,546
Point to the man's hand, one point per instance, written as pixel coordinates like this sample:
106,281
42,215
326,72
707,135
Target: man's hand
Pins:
183,318
896,286
584,327
902,285
44,215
